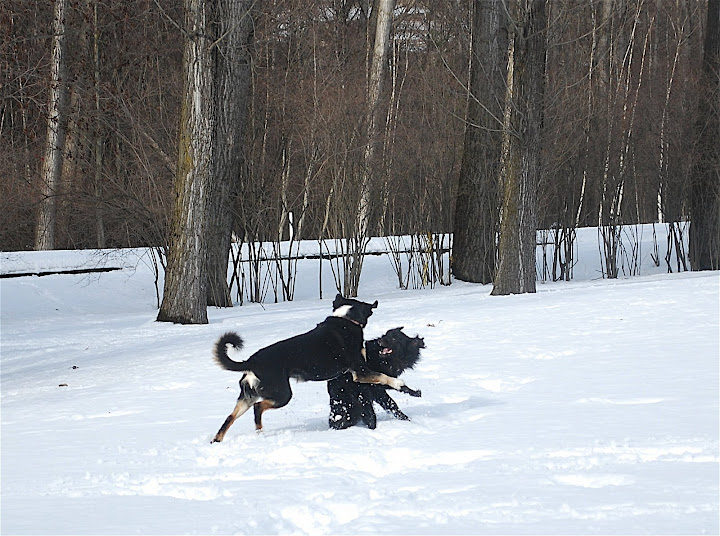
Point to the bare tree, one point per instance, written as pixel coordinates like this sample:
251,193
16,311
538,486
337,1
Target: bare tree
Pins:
627,55
55,142
623,77
98,146
185,290
360,236
380,50
705,178
234,28
522,140
476,206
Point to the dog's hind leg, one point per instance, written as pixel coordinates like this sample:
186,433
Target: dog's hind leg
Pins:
243,404
365,403
248,395
264,405
260,408
280,397
340,415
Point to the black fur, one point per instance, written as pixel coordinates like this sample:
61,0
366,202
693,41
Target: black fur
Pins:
333,348
351,402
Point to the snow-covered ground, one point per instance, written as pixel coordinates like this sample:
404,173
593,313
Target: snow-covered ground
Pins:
588,407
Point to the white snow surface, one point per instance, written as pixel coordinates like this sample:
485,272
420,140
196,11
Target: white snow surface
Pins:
590,407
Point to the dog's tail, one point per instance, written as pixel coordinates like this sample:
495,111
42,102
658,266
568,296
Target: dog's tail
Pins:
221,355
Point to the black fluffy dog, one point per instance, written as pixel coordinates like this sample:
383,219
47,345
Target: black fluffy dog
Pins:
333,348
351,402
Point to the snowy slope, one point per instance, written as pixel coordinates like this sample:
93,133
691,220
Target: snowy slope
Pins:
589,407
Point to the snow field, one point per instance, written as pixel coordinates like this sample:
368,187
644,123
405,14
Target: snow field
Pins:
590,407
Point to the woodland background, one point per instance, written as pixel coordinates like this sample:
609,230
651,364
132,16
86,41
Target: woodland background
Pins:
619,139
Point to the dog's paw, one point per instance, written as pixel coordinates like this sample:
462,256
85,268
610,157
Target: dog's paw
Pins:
411,392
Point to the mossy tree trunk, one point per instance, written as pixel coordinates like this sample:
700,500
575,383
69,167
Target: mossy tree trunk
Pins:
522,142
185,291
216,64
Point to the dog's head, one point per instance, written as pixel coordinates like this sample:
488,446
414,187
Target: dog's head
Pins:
397,352
356,311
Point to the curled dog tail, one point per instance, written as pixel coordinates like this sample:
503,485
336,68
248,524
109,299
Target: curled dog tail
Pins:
221,355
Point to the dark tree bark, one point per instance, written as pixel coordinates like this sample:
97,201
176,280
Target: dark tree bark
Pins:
476,207
522,140
185,291
705,177
234,30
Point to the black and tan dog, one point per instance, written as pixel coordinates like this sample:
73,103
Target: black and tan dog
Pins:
351,402
333,348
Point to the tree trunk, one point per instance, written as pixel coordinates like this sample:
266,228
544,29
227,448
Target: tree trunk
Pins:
98,133
522,140
232,83
55,144
705,176
185,291
357,243
377,74
476,206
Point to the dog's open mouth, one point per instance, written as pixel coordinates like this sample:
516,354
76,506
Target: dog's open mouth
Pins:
386,351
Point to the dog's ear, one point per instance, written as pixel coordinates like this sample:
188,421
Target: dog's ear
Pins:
338,301
374,305
400,328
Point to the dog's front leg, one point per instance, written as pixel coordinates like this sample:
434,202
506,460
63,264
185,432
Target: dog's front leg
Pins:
388,404
383,379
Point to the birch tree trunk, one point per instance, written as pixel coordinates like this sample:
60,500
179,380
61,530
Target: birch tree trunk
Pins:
381,46
522,141
476,206
55,142
705,177
377,74
232,82
185,289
